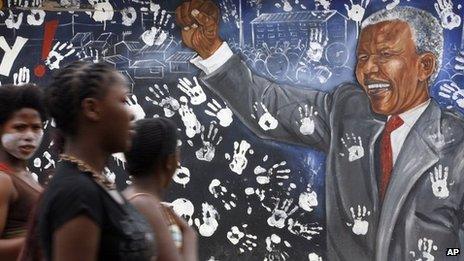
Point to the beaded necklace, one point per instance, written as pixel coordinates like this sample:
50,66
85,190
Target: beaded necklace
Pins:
100,178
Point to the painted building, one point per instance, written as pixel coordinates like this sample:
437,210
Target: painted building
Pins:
273,28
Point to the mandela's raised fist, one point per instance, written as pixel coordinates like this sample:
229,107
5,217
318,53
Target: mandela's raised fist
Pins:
199,22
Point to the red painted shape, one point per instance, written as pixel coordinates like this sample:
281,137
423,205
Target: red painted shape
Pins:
49,35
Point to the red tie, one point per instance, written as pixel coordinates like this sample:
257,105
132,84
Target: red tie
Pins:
386,154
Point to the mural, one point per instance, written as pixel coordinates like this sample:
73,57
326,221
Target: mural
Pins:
248,196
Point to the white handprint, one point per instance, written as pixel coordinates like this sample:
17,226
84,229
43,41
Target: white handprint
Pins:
452,91
14,20
278,170
324,3
135,107
209,218
308,199
208,149
129,15
356,11
275,250
305,231
22,76
104,11
258,192
439,179
36,17
391,5
195,92
219,191
316,45
236,236
306,120
119,158
287,7
57,54
314,257
359,226
459,66
111,176
223,114
192,125
89,54
354,147
51,161
425,247
181,176
239,160
449,19
280,215
37,163
164,100
184,208
34,3
266,121
154,36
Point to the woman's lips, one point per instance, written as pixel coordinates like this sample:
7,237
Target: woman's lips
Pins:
26,149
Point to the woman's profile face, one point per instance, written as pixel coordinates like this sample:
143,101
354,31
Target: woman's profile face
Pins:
117,116
22,133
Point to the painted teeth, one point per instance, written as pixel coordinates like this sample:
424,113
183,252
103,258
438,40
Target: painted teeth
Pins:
378,85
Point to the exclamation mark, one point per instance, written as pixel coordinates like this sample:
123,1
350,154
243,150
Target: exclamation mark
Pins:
49,35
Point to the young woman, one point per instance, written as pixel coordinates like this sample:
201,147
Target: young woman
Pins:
81,216
151,161
21,116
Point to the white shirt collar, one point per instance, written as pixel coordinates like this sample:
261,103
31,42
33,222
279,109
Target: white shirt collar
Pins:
411,116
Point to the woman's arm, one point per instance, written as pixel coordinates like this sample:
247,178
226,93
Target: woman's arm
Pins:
150,208
78,239
9,248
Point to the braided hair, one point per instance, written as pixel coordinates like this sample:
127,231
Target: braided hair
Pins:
71,85
155,139
16,97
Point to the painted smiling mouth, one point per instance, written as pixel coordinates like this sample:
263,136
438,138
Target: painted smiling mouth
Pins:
376,88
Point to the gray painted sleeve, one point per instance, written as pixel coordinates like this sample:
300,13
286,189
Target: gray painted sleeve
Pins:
302,114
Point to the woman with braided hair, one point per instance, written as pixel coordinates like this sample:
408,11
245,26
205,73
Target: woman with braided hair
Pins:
81,216
152,161
22,114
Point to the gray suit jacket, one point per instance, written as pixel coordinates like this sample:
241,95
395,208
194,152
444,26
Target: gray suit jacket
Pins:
422,213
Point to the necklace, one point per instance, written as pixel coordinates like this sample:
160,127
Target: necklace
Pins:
96,176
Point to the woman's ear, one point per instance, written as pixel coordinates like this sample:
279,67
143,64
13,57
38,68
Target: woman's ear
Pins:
91,109
427,65
171,163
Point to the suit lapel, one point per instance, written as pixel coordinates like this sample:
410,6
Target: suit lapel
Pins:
407,170
377,129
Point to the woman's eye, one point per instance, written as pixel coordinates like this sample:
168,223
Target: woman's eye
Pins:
20,127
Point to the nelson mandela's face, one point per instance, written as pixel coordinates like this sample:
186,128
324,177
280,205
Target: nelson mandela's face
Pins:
388,67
